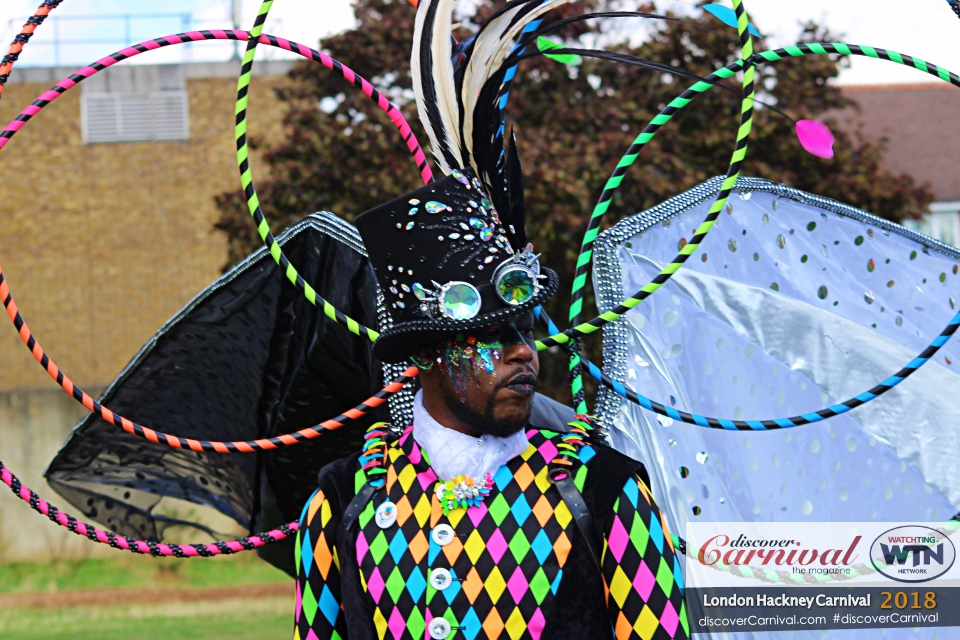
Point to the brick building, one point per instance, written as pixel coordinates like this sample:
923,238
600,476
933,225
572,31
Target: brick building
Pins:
107,231
920,124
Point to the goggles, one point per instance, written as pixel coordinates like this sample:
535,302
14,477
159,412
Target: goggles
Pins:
515,281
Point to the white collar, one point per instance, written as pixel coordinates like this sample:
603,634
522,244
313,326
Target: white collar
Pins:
452,453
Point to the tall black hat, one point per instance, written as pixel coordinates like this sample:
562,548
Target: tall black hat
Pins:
446,262
453,255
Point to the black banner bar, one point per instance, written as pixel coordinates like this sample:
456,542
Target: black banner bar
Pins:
718,609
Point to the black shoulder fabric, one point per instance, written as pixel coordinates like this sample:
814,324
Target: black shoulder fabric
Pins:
609,471
248,358
547,413
336,481
582,581
582,586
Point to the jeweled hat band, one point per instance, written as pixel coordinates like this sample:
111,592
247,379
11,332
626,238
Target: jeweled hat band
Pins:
514,282
444,232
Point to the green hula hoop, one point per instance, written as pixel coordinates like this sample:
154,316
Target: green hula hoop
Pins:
253,202
775,55
733,173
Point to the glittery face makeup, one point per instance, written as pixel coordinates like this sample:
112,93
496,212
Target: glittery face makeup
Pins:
468,356
464,357
476,378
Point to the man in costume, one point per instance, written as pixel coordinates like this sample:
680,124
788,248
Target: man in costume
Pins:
479,521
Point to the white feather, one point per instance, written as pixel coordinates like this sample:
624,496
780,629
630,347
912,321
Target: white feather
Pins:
477,71
441,76
490,49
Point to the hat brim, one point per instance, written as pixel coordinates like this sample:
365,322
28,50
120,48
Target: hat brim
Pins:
399,342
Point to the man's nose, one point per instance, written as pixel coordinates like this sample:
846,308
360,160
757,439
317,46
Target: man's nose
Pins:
518,353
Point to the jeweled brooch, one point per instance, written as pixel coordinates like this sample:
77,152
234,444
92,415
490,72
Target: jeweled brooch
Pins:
463,492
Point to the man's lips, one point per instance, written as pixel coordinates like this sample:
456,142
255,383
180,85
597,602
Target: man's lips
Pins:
524,384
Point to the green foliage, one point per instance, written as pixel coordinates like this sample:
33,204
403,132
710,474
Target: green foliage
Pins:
573,123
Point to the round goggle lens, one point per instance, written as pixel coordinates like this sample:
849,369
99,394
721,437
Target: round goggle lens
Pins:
461,301
515,286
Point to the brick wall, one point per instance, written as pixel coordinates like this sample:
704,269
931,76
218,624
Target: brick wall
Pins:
917,123
101,244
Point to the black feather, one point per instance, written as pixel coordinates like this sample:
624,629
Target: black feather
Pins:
487,120
458,58
553,26
634,61
483,120
517,212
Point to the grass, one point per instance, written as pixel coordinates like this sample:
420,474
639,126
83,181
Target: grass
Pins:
264,619
137,572
234,619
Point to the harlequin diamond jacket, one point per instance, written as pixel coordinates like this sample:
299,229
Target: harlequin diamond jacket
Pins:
517,566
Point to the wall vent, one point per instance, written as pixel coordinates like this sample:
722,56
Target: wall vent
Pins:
134,117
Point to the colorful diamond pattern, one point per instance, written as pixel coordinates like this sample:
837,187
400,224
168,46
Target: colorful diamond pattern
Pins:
309,606
318,582
640,569
506,557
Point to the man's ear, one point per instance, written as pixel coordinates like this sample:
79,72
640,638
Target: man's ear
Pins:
424,358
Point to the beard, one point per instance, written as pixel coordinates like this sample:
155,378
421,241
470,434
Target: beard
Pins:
483,421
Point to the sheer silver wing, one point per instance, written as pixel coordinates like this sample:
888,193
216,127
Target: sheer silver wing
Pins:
793,303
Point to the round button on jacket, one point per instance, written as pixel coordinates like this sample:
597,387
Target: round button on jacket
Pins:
440,579
442,534
439,628
386,515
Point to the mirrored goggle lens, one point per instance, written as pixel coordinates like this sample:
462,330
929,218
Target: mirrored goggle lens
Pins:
460,301
516,286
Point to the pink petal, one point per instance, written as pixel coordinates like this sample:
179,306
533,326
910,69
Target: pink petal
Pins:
816,138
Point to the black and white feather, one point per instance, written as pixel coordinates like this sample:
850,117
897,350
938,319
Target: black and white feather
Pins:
458,97
447,97
432,70
495,41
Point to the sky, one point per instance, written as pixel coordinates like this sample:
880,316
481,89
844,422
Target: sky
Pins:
927,29
304,21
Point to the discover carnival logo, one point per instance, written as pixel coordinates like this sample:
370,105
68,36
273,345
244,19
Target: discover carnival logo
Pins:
789,553
912,553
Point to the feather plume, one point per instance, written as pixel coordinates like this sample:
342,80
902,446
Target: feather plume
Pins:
458,101
493,44
483,91
516,211
433,82
484,47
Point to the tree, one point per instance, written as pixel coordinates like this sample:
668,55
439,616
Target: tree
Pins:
572,123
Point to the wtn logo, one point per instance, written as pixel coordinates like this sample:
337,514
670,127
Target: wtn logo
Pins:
912,553
898,555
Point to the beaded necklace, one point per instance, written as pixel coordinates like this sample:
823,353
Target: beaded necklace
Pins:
463,492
